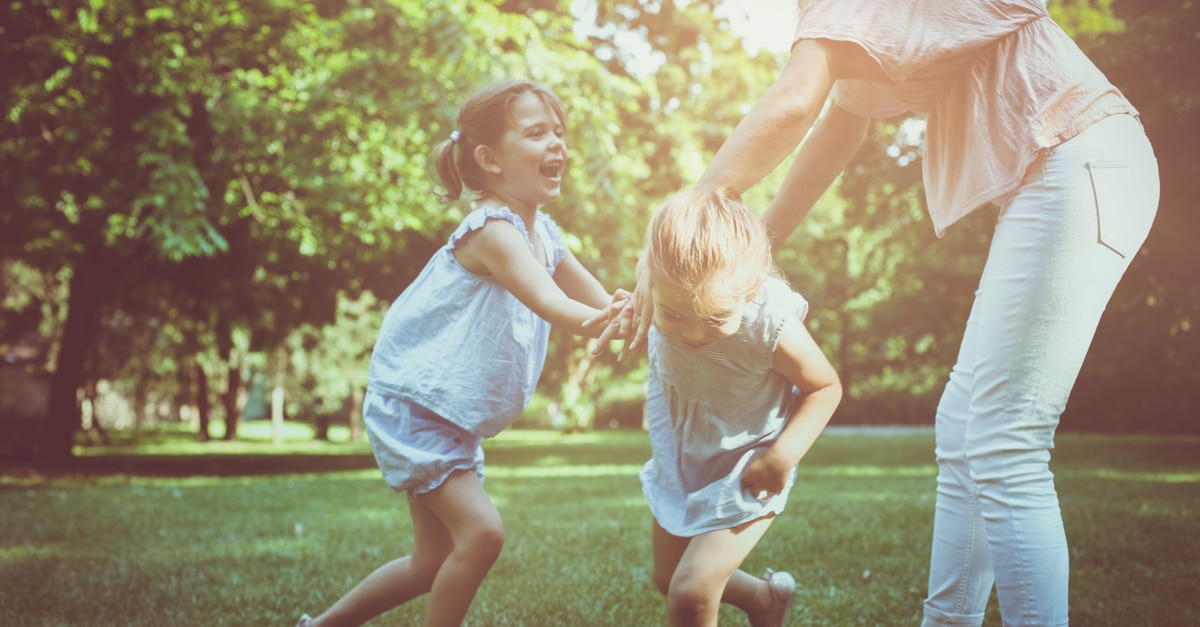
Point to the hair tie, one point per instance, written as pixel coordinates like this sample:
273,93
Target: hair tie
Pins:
454,135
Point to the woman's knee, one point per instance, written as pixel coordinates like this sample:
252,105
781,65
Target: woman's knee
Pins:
1014,478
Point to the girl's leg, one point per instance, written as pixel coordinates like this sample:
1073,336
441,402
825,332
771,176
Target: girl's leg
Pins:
397,581
697,574
477,535
1059,250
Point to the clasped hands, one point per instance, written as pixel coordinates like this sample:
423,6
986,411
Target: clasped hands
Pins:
627,318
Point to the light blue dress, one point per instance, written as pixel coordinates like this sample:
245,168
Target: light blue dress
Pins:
711,413
461,345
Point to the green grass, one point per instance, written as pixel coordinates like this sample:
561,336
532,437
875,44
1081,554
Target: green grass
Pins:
158,530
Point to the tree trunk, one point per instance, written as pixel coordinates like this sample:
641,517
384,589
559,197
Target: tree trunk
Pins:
89,281
141,397
203,406
96,433
277,401
233,378
354,415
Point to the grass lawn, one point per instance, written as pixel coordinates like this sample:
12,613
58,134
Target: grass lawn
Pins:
163,531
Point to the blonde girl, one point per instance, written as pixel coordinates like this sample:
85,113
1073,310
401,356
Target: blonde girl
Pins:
738,392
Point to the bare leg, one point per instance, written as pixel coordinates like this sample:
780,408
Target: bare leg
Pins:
477,535
697,574
398,581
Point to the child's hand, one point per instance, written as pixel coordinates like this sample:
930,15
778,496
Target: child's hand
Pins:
631,321
619,300
767,475
617,317
642,312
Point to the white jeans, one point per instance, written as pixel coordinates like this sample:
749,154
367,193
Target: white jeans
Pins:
1063,240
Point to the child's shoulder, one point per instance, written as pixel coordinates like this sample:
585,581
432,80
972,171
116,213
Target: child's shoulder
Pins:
777,300
480,217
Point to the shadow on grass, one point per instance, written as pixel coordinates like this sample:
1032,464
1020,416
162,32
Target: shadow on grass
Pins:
162,453
216,464
168,465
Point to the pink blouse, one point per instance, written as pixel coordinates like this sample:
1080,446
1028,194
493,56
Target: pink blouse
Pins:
998,79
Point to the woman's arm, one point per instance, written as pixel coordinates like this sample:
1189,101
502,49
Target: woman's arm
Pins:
776,124
773,128
798,358
833,141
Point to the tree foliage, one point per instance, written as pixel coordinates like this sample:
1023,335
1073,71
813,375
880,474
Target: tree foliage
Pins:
1144,367
188,188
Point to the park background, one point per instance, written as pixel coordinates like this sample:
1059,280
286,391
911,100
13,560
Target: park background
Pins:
206,207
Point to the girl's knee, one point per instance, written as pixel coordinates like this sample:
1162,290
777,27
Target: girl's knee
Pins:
491,537
484,541
687,608
690,599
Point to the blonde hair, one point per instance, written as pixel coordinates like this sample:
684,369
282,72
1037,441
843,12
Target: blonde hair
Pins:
710,246
482,121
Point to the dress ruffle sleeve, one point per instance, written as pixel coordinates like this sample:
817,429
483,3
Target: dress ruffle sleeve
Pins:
775,307
557,246
479,217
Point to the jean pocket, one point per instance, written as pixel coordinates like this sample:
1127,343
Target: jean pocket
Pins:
1126,194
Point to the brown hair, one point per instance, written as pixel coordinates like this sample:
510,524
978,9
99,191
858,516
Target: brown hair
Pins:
481,121
710,246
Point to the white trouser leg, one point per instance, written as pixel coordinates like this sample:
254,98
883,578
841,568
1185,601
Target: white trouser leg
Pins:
1061,245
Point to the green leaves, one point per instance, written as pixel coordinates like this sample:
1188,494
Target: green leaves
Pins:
267,162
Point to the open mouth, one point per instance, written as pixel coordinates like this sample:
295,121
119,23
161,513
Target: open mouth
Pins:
553,169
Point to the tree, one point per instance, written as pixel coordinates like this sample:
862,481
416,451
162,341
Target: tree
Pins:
150,140
1144,366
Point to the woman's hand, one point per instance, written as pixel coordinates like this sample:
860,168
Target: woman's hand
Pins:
767,474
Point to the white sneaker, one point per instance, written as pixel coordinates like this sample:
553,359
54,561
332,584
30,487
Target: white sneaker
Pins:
305,621
782,588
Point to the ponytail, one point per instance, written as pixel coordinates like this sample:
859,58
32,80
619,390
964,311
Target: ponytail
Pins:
447,172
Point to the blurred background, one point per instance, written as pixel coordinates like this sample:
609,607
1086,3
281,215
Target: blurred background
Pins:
206,207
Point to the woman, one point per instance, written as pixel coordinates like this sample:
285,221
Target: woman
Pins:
1018,117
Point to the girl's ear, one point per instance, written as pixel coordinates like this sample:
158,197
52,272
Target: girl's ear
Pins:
486,159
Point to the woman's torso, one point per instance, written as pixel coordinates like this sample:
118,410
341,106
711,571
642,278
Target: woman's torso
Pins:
998,79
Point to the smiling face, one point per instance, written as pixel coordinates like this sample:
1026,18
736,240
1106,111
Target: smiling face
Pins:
676,315
528,161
